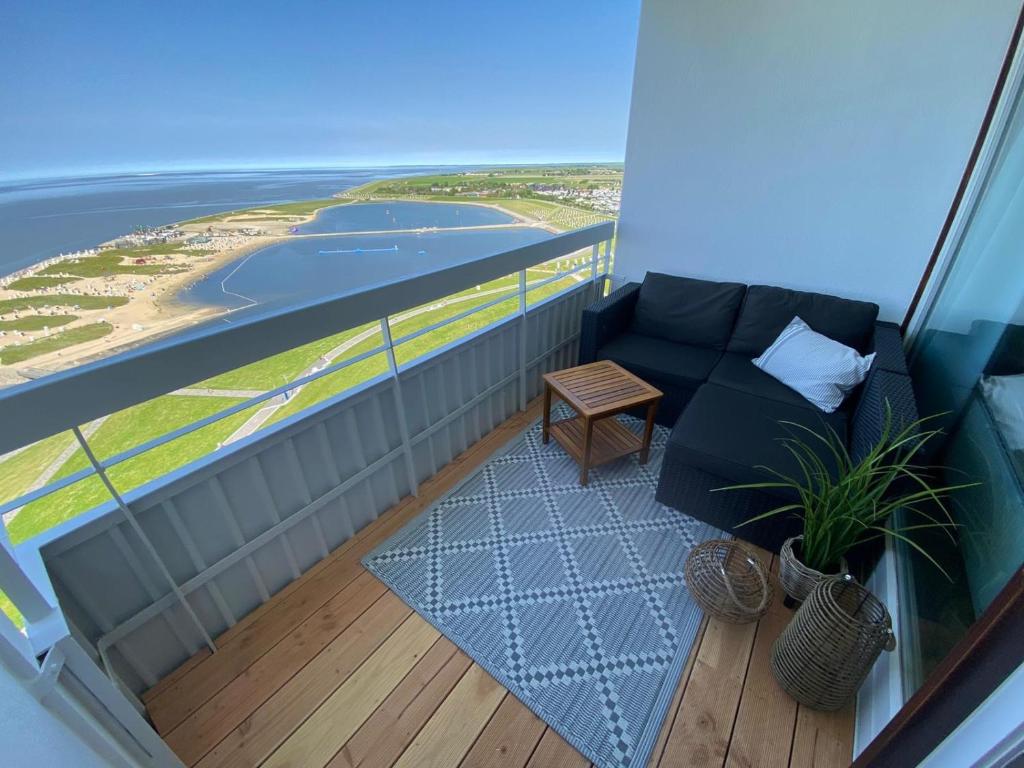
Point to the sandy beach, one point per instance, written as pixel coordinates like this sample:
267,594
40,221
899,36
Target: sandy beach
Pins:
153,309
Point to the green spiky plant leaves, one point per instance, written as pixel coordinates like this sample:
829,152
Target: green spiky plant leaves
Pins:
853,502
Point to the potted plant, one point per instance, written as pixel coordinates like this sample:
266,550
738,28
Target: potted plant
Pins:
851,503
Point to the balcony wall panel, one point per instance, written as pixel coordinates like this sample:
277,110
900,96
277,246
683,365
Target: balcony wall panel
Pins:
235,527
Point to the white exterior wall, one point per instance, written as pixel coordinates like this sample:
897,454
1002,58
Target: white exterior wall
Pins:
32,735
812,144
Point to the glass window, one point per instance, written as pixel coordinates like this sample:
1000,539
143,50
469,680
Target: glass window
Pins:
968,364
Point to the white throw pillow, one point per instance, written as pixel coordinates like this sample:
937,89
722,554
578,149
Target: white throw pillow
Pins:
1005,395
819,368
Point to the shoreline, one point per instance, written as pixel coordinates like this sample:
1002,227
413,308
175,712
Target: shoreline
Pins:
154,308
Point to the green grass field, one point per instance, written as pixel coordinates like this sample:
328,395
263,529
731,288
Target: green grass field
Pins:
335,383
11,355
284,367
124,430
499,181
121,431
36,322
109,263
34,283
146,251
61,300
279,369
18,472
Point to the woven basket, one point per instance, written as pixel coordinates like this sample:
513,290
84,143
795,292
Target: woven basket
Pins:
728,581
829,647
797,579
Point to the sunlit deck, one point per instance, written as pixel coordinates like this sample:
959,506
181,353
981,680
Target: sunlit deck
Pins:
335,670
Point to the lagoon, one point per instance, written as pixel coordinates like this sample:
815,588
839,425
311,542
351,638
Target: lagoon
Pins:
400,214
301,269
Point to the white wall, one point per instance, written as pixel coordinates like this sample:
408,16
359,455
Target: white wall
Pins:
32,735
815,144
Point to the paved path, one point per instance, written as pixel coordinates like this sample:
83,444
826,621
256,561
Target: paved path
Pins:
54,466
261,416
245,394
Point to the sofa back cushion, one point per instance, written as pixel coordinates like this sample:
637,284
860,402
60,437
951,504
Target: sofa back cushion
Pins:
687,311
767,310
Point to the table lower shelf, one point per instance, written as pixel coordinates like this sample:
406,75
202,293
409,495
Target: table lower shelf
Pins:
610,440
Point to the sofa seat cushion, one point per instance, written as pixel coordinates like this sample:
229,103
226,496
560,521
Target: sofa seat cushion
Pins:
659,361
739,372
687,311
729,433
767,310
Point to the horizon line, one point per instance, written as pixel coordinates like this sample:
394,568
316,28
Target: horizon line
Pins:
168,170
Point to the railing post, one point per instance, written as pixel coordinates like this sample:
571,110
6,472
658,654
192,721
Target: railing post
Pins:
20,589
594,260
115,706
130,517
522,339
403,426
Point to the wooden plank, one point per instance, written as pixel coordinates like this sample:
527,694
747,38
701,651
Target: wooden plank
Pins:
611,440
381,739
766,717
299,599
334,722
237,700
259,734
450,733
703,725
823,739
166,682
254,635
600,388
267,660
684,678
509,739
555,752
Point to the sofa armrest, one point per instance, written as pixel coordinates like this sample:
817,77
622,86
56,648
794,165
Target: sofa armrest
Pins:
887,345
881,387
606,318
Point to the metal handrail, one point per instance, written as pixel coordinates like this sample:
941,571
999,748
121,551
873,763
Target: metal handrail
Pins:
56,403
167,437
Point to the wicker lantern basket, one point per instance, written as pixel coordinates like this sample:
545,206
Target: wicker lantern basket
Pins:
728,581
829,647
798,581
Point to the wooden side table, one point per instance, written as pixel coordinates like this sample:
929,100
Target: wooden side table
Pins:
597,391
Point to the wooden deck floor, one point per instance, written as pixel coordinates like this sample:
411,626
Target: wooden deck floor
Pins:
337,671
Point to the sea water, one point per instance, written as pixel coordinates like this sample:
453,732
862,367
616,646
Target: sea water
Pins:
42,218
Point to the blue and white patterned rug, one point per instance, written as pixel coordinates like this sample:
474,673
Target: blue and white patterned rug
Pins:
572,598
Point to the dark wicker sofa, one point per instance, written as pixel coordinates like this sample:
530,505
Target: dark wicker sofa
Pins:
695,340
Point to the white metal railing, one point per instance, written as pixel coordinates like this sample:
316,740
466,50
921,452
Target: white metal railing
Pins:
11,400
68,682
38,409
65,400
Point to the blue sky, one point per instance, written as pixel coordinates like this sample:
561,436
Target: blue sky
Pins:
95,86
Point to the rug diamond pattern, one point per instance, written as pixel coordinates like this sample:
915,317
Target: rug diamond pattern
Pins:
573,598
